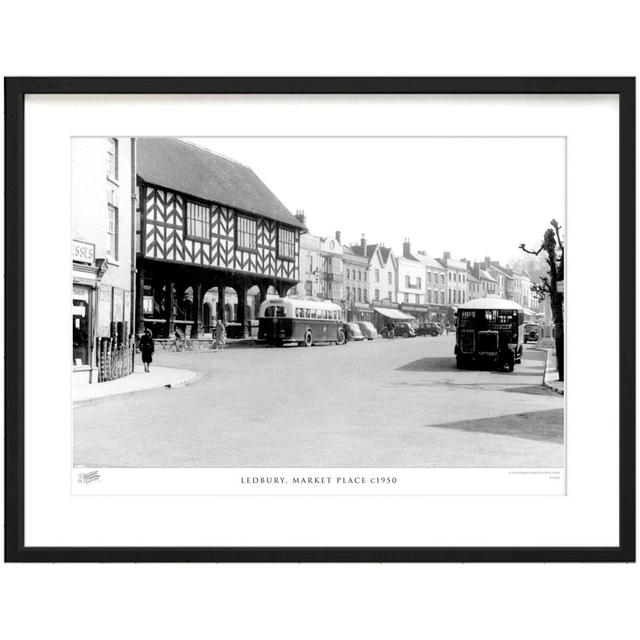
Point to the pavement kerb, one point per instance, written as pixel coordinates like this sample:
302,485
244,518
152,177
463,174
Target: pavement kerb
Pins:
190,378
546,384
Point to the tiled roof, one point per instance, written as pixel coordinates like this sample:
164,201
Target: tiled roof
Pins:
429,262
367,252
191,170
384,252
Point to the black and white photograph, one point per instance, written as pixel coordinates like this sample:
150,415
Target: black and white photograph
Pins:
318,302
357,314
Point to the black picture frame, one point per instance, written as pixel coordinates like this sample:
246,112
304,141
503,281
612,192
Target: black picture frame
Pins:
15,91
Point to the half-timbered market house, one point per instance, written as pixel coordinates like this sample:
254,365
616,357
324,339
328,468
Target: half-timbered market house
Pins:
213,241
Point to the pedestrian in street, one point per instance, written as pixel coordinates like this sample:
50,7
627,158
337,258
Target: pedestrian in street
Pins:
220,336
146,349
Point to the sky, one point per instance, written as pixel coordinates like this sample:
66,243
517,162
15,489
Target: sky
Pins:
474,197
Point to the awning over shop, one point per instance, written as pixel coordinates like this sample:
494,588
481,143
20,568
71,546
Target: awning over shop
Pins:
393,314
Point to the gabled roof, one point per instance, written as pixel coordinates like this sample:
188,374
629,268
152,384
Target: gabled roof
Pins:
367,252
384,252
191,170
370,249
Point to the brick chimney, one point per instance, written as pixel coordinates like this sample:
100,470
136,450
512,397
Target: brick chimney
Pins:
447,255
487,261
406,248
338,236
301,217
363,243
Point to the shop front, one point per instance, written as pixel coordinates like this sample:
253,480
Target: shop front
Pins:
86,276
100,317
384,316
421,312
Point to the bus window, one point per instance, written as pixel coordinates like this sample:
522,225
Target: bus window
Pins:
307,313
297,312
269,312
466,318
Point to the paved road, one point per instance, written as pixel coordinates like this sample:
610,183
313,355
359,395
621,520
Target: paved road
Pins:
386,403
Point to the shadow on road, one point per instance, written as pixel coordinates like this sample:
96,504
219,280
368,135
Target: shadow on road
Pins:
448,363
430,364
533,390
545,426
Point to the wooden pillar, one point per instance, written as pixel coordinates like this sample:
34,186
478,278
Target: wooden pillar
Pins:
170,308
139,328
282,289
196,327
241,291
261,297
221,313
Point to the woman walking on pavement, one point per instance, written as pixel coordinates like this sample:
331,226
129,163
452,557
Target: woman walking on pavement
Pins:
146,349
220,336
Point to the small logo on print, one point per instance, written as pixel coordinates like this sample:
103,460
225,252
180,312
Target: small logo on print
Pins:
90,476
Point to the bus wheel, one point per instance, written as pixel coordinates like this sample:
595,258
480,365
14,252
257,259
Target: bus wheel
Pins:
340,339
308,338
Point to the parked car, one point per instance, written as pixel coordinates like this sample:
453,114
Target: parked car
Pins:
429,329
404,330
353,331
368,330
531,332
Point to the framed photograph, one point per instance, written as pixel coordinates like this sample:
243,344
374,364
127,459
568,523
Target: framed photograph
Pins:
320,319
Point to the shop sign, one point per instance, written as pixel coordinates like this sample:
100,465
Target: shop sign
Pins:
83,251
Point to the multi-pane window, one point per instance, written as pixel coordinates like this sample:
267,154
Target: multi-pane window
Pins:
246,233
419,283
112,232
366,296
376,293
198,222
406,297
428,276
360,276
442,297
112,158
407,281
390,296
389,277
286,243
359,294
377,275
428,295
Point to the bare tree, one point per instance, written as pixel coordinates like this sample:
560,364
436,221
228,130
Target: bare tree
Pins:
553,245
